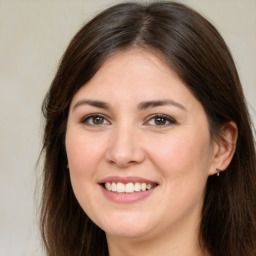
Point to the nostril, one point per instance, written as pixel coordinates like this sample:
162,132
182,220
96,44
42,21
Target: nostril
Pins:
126,158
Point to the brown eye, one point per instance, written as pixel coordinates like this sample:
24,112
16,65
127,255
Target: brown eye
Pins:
94,120
98,120
160,121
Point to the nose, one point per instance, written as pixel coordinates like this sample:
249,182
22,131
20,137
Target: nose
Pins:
125,148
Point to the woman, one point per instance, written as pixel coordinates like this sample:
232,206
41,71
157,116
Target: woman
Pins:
148,142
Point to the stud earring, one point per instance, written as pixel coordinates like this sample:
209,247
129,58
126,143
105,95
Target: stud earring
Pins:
218,171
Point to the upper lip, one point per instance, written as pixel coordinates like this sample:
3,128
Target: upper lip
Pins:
125,180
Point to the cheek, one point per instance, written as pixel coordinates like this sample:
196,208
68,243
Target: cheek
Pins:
184,164
83,155
183,155
83,152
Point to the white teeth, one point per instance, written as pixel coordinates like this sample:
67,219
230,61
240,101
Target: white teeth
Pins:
143,186
130,187
114,188
149,186
108,186
137,187
120,187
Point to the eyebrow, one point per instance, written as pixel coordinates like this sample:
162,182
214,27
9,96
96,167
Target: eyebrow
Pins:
159,103
93,103
142,106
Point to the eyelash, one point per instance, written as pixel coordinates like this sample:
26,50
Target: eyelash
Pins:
85,120
166,118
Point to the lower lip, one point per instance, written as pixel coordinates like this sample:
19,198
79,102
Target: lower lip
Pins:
127,197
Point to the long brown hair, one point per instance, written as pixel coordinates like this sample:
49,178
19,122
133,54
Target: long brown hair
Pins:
197,53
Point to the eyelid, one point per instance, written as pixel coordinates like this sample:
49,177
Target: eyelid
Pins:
168,118
87,117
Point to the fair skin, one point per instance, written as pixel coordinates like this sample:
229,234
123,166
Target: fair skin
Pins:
136,122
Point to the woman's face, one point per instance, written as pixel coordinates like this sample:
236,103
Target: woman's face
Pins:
139,149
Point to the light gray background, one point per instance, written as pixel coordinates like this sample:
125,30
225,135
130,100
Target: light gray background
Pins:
33,36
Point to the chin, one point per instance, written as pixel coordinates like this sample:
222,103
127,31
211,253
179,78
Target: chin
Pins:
128,227
131,233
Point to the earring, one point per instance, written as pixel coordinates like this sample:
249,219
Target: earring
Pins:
218,171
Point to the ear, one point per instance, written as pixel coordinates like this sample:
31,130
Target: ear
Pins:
224,147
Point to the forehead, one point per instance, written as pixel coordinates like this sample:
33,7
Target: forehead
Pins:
134,71
136,62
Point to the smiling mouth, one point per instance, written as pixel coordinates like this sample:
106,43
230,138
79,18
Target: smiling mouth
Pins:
130,187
